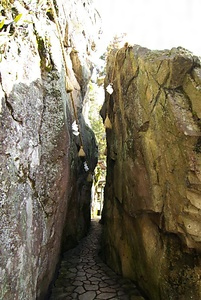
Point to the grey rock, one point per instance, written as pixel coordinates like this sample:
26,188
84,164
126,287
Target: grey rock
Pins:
90,295
45,198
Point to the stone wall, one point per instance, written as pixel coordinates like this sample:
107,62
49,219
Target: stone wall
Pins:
152,231
44,192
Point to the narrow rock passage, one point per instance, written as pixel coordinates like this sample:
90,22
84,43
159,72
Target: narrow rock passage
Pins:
84,276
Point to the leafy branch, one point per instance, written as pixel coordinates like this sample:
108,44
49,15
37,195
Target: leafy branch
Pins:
15,15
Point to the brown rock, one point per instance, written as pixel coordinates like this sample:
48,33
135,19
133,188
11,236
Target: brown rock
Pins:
152,198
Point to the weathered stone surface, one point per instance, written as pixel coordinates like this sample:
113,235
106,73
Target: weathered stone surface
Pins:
109,284
152,200
88,296
43,184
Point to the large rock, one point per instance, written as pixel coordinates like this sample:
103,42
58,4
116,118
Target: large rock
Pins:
153,193
44,191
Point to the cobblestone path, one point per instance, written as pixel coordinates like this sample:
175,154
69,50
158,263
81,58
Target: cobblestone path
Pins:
84,276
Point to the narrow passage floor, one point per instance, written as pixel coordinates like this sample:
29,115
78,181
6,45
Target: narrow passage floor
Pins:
84,276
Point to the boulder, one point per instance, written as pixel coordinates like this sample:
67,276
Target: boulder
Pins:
151,215
44,193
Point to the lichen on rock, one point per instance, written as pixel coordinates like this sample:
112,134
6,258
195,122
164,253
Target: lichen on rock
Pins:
43,184
152,197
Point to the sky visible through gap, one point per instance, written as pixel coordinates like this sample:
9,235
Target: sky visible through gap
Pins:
155,24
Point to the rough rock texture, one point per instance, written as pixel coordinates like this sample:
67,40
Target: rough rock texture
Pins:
153,193
43,185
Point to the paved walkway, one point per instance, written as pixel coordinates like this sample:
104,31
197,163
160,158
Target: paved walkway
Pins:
84,276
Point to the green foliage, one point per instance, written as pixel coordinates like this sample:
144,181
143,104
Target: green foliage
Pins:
116,43
17,18
2,23
11,20
5,4
99,130
96,120
97,126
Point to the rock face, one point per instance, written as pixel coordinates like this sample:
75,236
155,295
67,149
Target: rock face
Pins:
153,193
44,192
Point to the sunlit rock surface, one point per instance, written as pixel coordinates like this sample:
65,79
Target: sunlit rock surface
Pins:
43,184
153,192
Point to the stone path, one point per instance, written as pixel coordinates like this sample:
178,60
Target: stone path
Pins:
84,276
